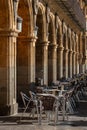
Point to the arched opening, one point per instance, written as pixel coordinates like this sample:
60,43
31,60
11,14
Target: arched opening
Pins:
73,57
50,53
69,55
76,59
39,53
64,55
22,48
58,38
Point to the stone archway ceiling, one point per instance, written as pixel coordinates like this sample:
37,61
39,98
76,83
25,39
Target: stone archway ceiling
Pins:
71,13
74,11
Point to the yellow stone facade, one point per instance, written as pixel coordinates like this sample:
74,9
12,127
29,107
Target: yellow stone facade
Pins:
51,45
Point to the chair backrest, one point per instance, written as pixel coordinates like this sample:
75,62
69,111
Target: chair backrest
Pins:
48,102
25,98
32,95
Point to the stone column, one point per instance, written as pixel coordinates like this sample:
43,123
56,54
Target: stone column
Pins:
83,68
70,64
77,55
8,104
31,59
84,52
65,63
45,62
52,63
80,52
60,62
73,62
80,62
77,63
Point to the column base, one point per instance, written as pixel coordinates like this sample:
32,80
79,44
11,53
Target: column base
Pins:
8,110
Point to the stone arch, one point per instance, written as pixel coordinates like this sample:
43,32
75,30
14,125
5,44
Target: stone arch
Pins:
76,43
40,43
64,33
51,29
59,31
52,42
73,41
23,45
60,46
59,22
6,14
59,27
41,8
70,52
76,50
69,38
41,15
73,53
65,62
41,23
26,13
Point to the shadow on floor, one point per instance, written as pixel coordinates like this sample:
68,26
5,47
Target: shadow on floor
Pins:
16,120
79,123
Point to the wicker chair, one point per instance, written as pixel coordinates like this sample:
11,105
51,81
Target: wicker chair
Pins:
49,104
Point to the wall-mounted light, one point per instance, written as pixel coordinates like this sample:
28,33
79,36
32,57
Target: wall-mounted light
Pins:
18,20
19,23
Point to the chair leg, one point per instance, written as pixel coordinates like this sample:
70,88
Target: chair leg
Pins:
63,110
33,112
39,106
40,114
56,112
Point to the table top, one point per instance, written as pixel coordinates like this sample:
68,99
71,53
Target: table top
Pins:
47,94
51,95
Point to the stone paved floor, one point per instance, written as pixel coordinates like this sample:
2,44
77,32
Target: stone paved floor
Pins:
75,122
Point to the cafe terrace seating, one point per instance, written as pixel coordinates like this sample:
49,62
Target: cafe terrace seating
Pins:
62,97
32,105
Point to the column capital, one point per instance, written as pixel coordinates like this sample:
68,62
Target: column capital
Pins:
66,50
29,39
77,52
74,52
70,51
60,48
53,46
32,39
45,43
9,33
